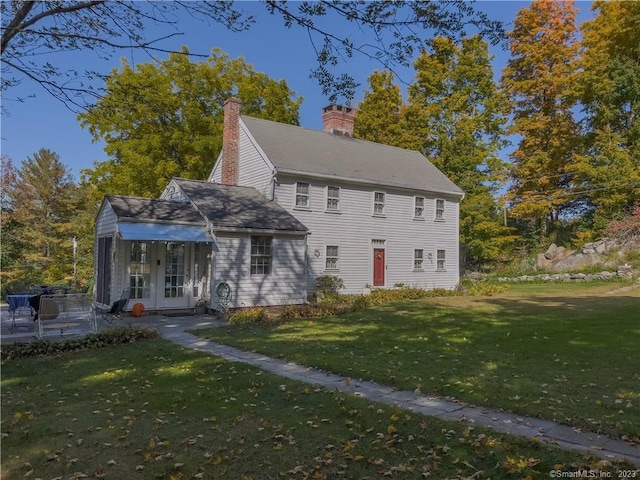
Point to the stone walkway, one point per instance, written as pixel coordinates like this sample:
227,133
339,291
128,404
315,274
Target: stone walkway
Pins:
175,330
542,430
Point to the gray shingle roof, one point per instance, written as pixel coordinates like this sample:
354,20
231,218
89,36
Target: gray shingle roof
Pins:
233,207
299,150
153,210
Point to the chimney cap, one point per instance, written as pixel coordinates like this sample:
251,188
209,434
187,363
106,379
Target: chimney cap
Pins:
233,100
334,107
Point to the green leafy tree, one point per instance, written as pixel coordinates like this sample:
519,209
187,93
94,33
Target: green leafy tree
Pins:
85,209
379,115
12,242
41,212
540,78
608,167
454,115
164,119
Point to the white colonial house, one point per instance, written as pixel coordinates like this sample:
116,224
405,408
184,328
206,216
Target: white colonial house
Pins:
283,206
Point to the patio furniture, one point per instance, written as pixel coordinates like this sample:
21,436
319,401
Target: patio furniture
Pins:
112,314
16,302
63,312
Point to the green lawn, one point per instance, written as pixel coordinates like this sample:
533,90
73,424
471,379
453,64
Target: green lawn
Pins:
153,410
565,352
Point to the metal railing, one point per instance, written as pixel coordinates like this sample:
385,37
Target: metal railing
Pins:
64,312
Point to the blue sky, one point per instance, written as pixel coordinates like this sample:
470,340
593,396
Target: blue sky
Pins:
43,122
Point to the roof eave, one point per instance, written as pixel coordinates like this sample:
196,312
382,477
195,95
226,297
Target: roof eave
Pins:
217,229
163,222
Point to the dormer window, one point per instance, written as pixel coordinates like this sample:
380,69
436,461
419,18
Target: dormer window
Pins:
302,195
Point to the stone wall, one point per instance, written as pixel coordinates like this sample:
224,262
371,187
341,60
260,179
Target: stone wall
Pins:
625,271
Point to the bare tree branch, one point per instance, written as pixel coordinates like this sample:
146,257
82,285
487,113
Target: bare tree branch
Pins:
394,32
15,26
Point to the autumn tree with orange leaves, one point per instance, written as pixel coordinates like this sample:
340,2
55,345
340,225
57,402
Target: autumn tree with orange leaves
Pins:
540,79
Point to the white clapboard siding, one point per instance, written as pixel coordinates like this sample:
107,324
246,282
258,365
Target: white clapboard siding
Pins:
285,284
354,228
106,221
254,169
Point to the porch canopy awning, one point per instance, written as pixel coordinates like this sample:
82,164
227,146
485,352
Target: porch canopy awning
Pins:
163,232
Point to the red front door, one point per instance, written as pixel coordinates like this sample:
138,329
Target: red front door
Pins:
378,267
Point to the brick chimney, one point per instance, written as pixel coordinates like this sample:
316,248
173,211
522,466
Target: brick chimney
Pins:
230,141
338,120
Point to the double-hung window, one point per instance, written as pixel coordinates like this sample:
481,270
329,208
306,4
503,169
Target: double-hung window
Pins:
418,208
418,258
332,256
261,255
378,203
302,195
439,209
440,259
333,199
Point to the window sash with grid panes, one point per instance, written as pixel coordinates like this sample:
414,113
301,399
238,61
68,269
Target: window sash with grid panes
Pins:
440,259
139,270
378,203
439,209
331,262
333,198
174,270
260,255
418,207
302,195
418,258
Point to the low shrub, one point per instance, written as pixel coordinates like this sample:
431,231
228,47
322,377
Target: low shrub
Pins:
486,289
360,303
328,284
249,315
379,297
317,310
107,337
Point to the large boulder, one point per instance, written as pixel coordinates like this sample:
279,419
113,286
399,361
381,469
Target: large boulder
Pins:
576,262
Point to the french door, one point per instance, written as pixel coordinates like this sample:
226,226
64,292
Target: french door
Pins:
173,275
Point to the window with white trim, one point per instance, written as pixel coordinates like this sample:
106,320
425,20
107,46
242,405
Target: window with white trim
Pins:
302,195
333,198
440,259
418,258
439,209
139,270
418,208
378,203
260,255
332,256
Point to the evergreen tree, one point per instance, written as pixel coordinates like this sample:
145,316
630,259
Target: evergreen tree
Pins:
456,115
41,209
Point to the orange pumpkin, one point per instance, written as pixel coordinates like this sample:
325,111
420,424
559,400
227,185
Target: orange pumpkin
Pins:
138,310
